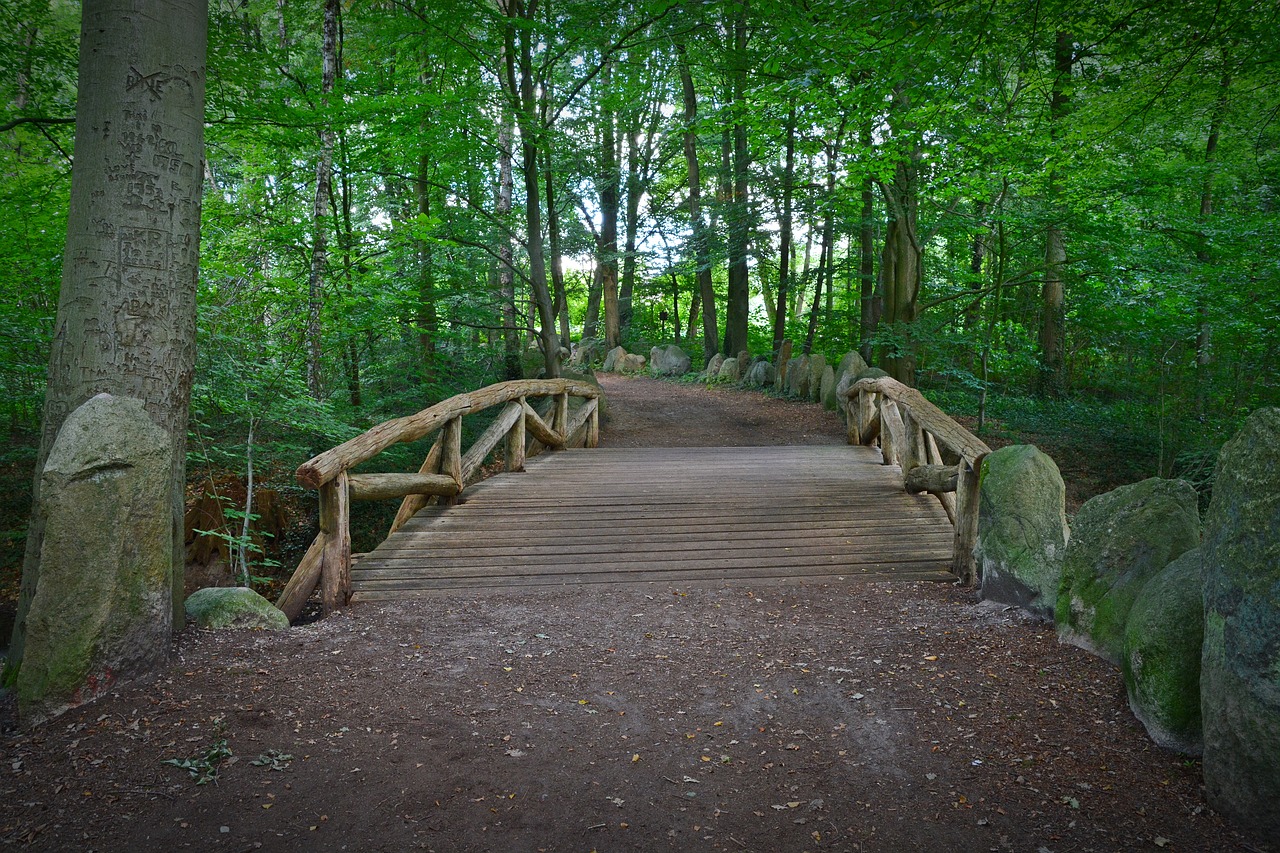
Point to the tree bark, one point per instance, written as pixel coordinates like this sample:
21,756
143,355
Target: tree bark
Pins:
784,249
320,206
737,308
869,302
1053,363
701,252
126,310
608,190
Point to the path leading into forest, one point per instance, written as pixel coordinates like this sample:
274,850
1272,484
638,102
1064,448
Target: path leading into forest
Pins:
741,717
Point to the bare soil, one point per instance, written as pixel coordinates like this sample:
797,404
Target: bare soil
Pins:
742,717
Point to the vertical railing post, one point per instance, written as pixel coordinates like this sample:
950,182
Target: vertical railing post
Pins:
561,419
593,425
451,460
963,562
335,524
516,441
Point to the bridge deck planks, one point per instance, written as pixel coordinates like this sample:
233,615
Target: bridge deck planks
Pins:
673,515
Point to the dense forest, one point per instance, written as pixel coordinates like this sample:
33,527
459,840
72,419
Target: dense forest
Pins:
1064,212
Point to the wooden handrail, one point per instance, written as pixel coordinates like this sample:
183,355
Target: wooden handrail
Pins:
936,454
443,474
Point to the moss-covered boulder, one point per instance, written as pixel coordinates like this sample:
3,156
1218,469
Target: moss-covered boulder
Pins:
1022,528
798,376
1119,541
233,607
103,606
760,374
827,390
729,370
852,363
669,360
1162,640
1240,666
817,366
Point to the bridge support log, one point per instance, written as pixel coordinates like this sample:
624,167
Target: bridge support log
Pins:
516,438
303,582
335,566
935,479
966,521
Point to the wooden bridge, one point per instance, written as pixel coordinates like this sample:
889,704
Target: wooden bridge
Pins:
644,515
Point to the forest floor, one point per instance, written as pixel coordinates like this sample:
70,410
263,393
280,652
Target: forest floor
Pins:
740,717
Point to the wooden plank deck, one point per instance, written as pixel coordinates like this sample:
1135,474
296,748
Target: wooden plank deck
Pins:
669,515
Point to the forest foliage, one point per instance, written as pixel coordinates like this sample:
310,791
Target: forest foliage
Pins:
1066,210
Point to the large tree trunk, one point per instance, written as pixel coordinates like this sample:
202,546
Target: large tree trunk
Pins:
737,308
900,270
1053,362
126,311
701,252
517,79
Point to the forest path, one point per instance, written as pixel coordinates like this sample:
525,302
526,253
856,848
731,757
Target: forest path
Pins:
645,412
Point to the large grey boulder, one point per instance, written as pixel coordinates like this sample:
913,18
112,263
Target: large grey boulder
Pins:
586,353
611,359
817,366
713,366
782,365
103,606
233,607
851,363
798,376
729,370
1162,639
827,389
669,361
1240,666
760,374
1022,528
630,363
1119,541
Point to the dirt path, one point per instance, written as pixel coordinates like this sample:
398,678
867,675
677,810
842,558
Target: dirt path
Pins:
766,718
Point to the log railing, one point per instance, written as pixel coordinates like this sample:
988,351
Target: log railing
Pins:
444,474
935,453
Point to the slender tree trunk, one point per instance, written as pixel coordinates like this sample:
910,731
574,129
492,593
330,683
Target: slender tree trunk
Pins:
635,189
1204,331
702,254
591,323
428,321
869,303
900,270
784,250
559,297
737,308
506,249
1053,363
320,205
608,190
125,323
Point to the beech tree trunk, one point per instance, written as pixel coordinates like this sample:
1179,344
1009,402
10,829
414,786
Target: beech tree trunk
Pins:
126,311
